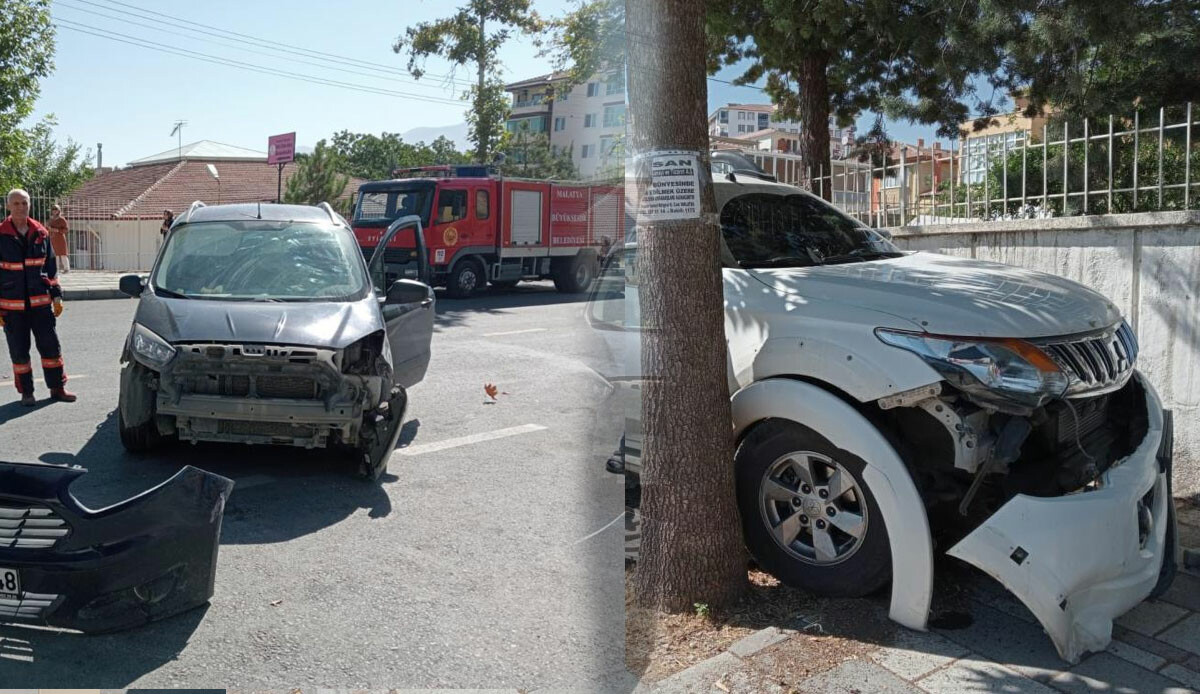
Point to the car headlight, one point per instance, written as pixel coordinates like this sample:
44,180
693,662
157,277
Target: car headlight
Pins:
150,349
1011,375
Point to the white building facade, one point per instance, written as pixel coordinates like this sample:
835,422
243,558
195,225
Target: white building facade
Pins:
588,120
748,121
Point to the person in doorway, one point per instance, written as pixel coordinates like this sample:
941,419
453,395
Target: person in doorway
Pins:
30,299
168,220
58,239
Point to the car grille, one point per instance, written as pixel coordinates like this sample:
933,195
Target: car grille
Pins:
1096,364
265,386
241,427
31,527
28,606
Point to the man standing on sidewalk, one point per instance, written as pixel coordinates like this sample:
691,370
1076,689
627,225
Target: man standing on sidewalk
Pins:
30,299
58,239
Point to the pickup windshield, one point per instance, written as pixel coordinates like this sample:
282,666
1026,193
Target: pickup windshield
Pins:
258,260
763,230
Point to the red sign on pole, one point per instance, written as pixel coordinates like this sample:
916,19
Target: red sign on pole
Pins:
281,148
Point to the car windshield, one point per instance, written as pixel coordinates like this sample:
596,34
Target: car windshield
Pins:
382,207
763,230
261,260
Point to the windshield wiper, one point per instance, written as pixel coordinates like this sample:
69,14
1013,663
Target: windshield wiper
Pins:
859,254
780,261
170,294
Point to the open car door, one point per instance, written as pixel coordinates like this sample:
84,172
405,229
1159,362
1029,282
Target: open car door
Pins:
407,306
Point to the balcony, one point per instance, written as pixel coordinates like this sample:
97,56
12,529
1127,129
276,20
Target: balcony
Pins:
539,103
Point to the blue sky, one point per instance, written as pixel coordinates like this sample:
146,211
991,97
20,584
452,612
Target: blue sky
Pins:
128,97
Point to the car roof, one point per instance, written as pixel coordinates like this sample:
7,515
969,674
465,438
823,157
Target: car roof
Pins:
266,211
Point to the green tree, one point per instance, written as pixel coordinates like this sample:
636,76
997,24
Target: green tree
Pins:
50,169
26,53
824,58
589,40
1102,57
530,155
373,157
473,36
316,179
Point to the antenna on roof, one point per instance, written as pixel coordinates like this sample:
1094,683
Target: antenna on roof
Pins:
179,129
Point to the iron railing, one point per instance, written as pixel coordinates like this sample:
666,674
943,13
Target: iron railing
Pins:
1137,163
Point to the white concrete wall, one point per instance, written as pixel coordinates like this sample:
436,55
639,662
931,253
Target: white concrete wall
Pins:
114,245
1148,264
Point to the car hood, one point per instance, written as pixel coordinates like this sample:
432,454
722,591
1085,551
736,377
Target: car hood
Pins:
332,325
954,296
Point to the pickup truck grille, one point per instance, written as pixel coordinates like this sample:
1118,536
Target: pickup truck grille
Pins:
1096,364
265,386
31,527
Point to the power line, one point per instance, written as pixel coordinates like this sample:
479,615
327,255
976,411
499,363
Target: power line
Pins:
195,55
297,50
125,20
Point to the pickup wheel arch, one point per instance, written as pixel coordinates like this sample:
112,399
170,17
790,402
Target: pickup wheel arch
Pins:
886,474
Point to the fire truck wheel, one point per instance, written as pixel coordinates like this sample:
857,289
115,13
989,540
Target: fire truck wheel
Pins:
466,277
575,277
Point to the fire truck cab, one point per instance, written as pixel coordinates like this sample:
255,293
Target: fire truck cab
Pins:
482,228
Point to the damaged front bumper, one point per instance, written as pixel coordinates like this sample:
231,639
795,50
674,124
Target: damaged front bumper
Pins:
143,559
1081,560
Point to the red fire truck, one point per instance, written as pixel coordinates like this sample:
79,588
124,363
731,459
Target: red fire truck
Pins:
481,228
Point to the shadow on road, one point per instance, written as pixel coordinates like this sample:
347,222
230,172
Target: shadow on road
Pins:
280,493
454,312
56,658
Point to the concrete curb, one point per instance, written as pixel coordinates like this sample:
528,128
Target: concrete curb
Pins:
88,294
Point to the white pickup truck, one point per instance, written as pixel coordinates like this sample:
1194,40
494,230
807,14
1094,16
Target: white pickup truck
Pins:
886,403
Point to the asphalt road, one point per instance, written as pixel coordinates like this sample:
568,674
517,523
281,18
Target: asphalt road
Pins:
491,562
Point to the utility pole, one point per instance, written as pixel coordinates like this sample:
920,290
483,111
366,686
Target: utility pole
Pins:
692,549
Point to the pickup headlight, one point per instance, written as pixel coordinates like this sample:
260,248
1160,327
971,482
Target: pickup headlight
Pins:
150,349
1010,375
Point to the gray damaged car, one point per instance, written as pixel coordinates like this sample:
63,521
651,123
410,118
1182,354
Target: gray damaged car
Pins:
264,324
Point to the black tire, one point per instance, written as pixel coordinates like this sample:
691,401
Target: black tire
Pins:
138,439
863,571
466,277
576,276
142,437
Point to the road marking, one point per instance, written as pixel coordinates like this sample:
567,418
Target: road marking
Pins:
468,440
515,332
610,524
70,377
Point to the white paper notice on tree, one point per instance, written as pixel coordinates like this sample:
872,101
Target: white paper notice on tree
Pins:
673,191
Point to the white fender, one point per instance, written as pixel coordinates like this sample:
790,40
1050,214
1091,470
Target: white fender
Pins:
893,488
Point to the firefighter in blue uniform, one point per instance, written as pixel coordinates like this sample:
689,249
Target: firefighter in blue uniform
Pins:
30,300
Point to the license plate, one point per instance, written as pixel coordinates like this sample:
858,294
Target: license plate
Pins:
10,583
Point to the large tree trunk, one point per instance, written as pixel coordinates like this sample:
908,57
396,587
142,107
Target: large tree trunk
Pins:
814,120
691,547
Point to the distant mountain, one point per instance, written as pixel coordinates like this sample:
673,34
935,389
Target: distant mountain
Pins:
456,132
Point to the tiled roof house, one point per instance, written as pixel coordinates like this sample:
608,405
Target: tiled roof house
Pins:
166,181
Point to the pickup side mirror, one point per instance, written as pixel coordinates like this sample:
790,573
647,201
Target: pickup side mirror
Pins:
131,285
406,292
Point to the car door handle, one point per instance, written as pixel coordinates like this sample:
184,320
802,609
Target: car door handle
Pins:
426,303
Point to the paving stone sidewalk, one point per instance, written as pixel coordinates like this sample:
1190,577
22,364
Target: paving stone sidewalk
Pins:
1155,649
82,285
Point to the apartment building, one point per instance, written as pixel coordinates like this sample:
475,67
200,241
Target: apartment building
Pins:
587,120
757,123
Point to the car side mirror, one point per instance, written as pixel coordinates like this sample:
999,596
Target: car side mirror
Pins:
406,292
131,285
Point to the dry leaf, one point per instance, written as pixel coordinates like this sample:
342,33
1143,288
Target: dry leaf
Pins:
491,390
721,685
276,603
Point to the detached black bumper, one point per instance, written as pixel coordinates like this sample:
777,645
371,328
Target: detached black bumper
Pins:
143,559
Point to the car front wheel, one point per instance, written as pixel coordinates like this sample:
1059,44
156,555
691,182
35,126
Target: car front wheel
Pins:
808,516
